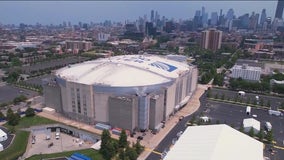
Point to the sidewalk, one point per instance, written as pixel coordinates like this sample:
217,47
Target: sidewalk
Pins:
192,106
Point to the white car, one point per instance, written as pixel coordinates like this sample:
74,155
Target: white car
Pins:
254,115
57,135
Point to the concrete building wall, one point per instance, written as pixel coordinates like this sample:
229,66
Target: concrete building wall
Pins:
185,84
194,78
156,110
170,104
52,96
101,107
122,112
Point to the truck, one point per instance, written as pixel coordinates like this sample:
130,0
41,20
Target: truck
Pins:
248,110
241,93
268,126
276,113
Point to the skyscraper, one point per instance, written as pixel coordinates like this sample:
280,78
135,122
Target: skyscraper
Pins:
230,14
211,39
152,15
262,17
214,18
279,9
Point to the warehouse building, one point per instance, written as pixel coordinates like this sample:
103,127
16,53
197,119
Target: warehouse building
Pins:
130,91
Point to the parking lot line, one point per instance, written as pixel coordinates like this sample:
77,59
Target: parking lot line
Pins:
278,147
150,150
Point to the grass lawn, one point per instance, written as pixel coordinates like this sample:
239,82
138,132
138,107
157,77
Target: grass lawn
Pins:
93,154
27,122
17,148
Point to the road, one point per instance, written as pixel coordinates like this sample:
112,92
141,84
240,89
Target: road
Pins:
166,143
229,114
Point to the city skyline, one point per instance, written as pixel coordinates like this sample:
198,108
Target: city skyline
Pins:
50,12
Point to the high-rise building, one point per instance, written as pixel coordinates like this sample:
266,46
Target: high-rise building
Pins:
253,21
214,18
279,9
262,17
244,21
152,15
230,14
150,30
211,39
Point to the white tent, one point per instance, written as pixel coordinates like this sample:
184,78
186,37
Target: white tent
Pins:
1,147
97,146
215,142
251,123
3,135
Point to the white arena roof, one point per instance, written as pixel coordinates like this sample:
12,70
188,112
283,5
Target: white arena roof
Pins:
215,142
127,70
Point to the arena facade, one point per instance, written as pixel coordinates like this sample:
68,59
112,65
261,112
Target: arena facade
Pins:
130,91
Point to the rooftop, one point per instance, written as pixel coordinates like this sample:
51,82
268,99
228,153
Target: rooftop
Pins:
215,142
128,70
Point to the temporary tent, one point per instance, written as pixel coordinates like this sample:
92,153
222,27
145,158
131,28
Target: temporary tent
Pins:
3,135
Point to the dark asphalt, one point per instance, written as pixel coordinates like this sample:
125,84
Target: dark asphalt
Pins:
274,101
232,115
180,126
7,142
8,93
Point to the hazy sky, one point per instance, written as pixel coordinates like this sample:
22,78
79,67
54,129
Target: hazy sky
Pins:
47,12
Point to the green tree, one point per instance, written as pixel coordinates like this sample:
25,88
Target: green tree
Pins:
241,129
9,113
12,118
138,147
251,132
248,100
2,116
268,103
216,96
269,136
261,102
122,142
131,153
209,94
106,145
260,134
12,77
223,96
121,154
282,105
30,112
16,61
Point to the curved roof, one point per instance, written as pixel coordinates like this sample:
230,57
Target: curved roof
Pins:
127,70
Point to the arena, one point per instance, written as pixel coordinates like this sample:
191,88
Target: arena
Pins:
130,92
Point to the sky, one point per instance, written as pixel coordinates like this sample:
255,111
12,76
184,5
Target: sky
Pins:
55,12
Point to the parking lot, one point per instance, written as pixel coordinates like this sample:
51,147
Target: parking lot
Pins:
233,115
275,102
38,80
8,93
53,63
63,143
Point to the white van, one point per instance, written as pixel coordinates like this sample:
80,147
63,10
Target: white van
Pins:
268,126
248,110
